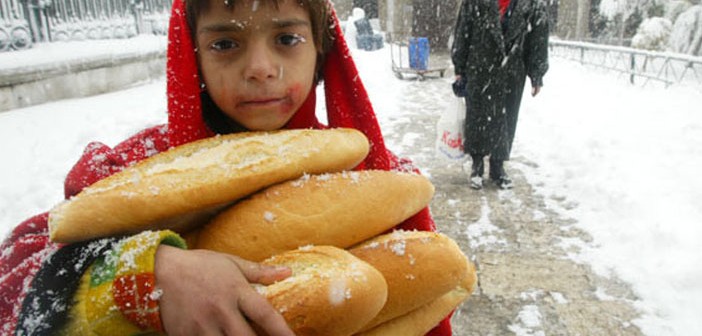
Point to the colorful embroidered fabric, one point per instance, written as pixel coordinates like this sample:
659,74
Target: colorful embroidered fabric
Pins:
117,294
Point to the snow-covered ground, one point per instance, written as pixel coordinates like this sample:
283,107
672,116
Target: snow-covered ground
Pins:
628,157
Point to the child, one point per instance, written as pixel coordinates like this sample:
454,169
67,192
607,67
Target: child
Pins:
233,65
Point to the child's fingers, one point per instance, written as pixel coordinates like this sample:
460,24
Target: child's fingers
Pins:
254,306
262,274
236,324
262,314
272,274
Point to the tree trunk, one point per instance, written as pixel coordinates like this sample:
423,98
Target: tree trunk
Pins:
696,42
582,29
567,19
573,19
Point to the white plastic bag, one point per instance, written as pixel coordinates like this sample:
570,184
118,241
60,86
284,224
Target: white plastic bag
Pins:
449,131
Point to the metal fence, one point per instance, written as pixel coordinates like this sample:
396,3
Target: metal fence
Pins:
25,22
641,67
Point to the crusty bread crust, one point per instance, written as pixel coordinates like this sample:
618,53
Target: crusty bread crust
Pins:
330,293
185,186
340,209
423,319
419,267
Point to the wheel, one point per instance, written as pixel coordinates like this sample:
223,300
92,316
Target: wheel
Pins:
21,38
78,35
93,33
60,35
106,32
120,32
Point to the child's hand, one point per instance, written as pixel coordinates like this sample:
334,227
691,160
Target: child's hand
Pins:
208,293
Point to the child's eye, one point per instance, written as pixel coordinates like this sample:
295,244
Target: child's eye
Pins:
224,45
291,39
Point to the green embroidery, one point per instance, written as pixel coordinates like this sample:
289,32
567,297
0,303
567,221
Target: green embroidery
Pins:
105,267
174,240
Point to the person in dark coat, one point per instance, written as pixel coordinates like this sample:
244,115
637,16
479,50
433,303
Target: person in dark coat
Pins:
497,44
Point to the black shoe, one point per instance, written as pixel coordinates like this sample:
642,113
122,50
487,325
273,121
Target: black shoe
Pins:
498,174
503,182
476,182
476,173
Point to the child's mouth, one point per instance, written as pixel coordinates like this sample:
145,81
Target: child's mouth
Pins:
261,102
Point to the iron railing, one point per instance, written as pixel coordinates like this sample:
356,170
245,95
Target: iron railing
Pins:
641,67
25,22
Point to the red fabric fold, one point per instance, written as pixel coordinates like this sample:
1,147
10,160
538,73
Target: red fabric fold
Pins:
21,255
185,122
503,4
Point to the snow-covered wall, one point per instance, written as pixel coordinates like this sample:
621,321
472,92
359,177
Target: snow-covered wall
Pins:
59,74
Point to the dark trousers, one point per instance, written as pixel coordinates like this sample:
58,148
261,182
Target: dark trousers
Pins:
513,101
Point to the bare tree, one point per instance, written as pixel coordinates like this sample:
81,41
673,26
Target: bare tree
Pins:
573,19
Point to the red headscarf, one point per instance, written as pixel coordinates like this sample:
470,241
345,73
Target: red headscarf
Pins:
347,101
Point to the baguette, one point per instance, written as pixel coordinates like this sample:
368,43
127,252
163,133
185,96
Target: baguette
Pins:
330,293
418,266
185,186
423,319
340,209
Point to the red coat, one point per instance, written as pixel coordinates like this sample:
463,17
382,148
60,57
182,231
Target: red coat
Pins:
348,105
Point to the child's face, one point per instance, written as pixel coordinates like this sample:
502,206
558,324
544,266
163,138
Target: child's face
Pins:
257,62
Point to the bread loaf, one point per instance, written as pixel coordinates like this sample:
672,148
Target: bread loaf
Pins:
330,293
339,209
183,187
423,319
418,266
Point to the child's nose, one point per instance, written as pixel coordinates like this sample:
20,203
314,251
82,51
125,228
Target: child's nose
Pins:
261,64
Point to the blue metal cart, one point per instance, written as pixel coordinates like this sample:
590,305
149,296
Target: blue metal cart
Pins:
410,59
